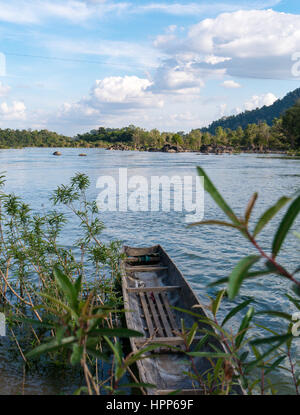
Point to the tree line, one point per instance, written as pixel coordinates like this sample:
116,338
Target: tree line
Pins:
282,135
10,138
264,114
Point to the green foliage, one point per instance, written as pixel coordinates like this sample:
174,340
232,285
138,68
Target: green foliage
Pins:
266,113
31,138
211,189
65,300
271,354
269,214
258,130
291,124
75,319
285,226
239,273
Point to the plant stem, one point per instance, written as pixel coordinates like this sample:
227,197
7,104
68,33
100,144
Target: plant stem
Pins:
280,269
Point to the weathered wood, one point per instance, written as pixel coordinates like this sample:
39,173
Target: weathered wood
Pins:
153,289
141,251
166,341
182,392
145,268
150,260
163,317
153,306
147,315
169,311
155,315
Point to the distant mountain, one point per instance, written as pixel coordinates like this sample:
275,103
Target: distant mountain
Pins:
264,114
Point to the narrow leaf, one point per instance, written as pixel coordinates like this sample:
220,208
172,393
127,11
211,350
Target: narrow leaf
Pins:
211,355
276,314
56,301
274,365
50,346
235,310
250,207
255,363
267,340
249,275
215,222
210,188
202,342
269,214
244,326
285,226
239,273
294,301
192,334
66,286
115,332
217,302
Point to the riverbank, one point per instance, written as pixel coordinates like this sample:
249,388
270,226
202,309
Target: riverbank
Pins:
205,149
167,148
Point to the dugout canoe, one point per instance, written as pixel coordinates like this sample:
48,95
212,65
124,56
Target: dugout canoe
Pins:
152,285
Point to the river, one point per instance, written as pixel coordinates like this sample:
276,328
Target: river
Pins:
203,254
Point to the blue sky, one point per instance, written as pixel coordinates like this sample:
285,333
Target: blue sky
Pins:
74,65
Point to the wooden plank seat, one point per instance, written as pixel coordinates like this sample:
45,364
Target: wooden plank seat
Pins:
168,341
145,268
154,289
161,325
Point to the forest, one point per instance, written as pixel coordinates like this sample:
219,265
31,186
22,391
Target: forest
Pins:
282,135
10,138
264,114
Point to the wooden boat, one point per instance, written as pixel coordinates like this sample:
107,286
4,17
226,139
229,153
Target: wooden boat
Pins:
152,285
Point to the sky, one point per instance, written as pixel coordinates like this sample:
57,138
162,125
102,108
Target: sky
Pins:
73,65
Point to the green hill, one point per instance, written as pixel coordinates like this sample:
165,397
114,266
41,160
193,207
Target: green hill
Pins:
264,114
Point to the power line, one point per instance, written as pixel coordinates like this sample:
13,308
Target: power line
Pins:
55,58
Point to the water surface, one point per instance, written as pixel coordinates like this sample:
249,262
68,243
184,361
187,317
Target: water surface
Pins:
203,254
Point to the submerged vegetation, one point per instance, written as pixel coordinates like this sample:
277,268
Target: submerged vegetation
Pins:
64,305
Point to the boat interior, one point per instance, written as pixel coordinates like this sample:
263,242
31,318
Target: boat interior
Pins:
152,287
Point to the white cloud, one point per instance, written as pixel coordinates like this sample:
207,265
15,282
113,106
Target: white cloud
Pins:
194,8
117,89
112,97
4,89
230,84
177,79
75,11
222,109
15,111
214,60
247,43
185,116
182,76
247,34
258,101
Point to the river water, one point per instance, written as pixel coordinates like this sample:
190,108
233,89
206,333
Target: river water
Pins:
203,254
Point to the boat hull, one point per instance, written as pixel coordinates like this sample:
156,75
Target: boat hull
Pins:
150,294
